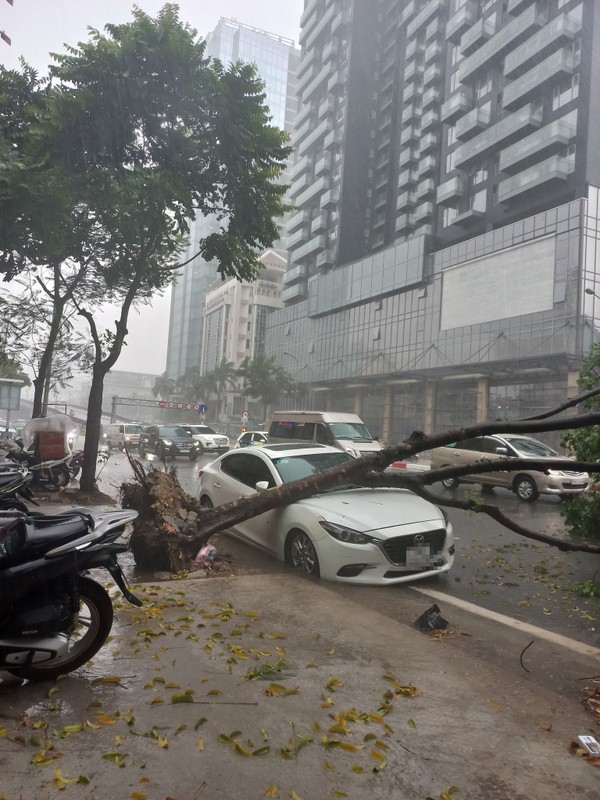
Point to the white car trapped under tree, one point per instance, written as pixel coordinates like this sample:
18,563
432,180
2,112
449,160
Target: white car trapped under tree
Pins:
347,534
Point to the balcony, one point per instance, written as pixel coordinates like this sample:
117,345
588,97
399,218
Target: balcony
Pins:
530,84
319,223
507,38
561,30
425,189
342,20
429,142
296,238
477,34
412,70
433,29
308,141
321,25
307,61
461,21
299,184
299,168
295,274
316,188
410,113
406,200
333,139
330,50
552,137
309,248
468,219
450,190
406,178
423,211
323,165
516,6
430,120
433,52
411,49
432,74
327,108
473,122
555,169
409,135
296,292
427,166
316,83
410,93
326,258
403,222
431,96
339,78
455,106
330,199
507,130
298,220
408,156
431,9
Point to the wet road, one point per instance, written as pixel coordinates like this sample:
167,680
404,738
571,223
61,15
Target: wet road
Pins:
494,568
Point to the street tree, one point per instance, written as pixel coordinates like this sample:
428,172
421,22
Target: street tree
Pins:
224,375
164,386
145,133
265,380
166,538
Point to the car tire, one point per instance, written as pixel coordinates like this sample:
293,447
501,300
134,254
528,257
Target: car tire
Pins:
200,449
206,502
302,554
193,456
525,489
141,451
450,483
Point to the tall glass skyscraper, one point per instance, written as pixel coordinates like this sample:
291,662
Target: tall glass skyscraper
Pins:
276,60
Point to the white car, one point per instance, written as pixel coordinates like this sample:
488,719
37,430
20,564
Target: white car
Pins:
207,438
252,439
350,534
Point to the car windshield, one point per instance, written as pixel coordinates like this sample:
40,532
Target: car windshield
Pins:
196,429
172,430
133,429
531,447
357,431
294,468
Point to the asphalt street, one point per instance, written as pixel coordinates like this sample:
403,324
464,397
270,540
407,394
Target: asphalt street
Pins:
495,569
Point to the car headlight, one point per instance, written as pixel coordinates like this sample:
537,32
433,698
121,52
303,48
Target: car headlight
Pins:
555,472
346,535
352,451
168,442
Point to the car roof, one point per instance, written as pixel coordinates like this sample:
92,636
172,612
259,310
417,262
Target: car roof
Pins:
300,448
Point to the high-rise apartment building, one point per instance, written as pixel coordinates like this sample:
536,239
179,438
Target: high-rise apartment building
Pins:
445,230
276,59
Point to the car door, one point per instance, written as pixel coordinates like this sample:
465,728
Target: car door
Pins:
240,472
488,451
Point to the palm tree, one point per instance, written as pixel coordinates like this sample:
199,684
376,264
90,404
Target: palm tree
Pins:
265,380
222,376
192,386
164,386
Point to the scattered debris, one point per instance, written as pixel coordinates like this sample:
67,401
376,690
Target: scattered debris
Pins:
431,620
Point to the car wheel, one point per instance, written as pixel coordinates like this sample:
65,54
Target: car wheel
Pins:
302,554
450,483
141,451
206,502
193,456
525,488
200,449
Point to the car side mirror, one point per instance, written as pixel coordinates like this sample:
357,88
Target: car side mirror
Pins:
262,486
502,451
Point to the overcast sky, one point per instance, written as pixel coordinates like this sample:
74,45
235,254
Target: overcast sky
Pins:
40,27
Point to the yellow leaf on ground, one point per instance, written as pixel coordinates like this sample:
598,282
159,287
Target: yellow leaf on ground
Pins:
200,744
271,791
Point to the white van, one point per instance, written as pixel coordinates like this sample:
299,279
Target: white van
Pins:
346,431
122,435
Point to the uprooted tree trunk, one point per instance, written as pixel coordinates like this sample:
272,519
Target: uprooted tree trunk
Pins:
172,526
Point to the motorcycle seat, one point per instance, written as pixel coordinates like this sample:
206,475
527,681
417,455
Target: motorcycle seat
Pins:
44,532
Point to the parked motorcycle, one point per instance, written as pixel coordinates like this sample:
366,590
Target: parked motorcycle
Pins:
48,475
14,483
53,617
75,463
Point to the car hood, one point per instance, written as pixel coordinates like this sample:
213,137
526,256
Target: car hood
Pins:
374,509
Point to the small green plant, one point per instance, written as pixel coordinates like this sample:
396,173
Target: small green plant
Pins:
581,515
585,588
270,671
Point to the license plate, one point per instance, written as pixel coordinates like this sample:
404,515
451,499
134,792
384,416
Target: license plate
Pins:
184,450
418,556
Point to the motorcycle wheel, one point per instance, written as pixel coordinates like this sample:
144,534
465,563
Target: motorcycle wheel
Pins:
60,476
89,633
12,504
74,471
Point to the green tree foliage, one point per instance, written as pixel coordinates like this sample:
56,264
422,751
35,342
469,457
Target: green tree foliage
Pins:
222,376
136,133
263,379
163,386
582,513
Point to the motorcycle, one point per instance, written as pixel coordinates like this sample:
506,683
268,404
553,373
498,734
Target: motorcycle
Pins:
75,463
49,475
53,617
14,483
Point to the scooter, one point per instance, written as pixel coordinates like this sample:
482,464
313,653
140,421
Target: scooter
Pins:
75,463
53,617
14,483
48,475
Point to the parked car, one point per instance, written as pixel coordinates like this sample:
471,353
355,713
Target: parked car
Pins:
207,438
168,441
252,438
527,484
349,534
122,435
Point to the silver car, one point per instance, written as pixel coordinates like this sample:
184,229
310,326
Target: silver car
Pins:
527,484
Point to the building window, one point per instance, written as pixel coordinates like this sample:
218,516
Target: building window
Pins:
480,174
451,135
448,216
478,201
483,86
451,161
454,82
456,55
565,92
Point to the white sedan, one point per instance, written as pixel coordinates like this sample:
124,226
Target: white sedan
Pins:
350,535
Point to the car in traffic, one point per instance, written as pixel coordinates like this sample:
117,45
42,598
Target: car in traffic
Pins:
527,484
252,438
207,438
167,441
349,534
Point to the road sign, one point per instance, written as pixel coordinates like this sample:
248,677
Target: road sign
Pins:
244,416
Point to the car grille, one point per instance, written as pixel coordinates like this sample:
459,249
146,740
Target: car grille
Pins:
395,549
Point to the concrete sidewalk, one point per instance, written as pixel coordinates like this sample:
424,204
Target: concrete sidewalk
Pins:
358,704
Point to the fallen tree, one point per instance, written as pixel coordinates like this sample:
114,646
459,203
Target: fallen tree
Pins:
172,526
